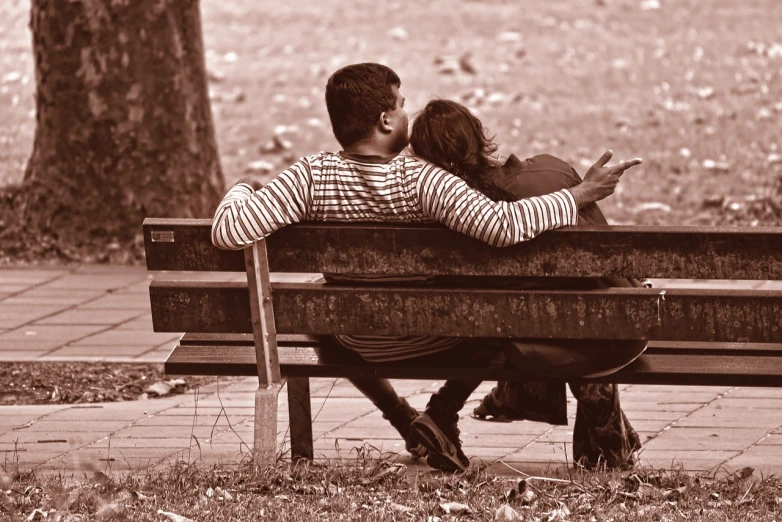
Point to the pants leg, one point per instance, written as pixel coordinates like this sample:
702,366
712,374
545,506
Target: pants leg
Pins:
602,435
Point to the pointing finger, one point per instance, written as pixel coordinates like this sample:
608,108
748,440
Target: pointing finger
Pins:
607,155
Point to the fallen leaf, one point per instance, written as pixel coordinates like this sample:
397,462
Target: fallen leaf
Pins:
37,514
561,513
675,494
717,166
652,205
173,517
399,508
398,33
162,388
509,36
505,513
455,508
466,65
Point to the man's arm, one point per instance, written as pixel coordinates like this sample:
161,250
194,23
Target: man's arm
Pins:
250,212
448,199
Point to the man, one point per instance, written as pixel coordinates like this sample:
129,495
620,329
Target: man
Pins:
370,180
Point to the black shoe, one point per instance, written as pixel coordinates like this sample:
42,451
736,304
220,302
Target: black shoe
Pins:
441,438
401,418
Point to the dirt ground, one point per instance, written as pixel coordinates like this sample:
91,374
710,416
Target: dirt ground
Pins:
86,382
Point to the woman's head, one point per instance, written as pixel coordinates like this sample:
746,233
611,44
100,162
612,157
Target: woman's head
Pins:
447,134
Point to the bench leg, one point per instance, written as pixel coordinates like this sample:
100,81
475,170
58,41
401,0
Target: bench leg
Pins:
300,413
265,432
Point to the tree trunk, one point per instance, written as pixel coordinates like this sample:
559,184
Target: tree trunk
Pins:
124,125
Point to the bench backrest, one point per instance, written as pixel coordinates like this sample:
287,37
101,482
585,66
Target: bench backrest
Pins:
671,314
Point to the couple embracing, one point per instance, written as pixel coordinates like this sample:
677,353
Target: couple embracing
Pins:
445,169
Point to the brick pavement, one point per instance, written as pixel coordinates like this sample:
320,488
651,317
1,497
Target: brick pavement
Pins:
102,313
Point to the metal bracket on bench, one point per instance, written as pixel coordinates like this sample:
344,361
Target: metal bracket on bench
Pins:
262,313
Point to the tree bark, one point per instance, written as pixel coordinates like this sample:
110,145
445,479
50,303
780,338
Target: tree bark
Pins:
124,125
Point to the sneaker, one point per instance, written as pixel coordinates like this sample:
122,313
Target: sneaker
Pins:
441,439
401,418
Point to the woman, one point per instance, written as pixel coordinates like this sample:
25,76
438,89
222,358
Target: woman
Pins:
447,134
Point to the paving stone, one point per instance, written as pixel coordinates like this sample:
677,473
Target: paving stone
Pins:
663,415
32,275
12,288
756,393
86,316
202,433
773,439
109,281
153,357
141,322
687,455
97,353
21,355
749,403
764,465
33,410
127,337
189,410
61,302
31,343
173,442
139,272
14,316
686,439
82,294
733,418
65,332
29,438
689,464
118,301
680,407
676,390
58,426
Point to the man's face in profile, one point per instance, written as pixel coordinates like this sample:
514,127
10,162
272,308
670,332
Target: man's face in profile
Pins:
400,136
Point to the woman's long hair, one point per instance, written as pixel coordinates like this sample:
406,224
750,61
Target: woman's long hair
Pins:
447,134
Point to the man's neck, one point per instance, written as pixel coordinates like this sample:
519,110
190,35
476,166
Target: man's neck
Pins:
371,152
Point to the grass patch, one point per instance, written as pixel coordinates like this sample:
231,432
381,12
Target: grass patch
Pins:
372,488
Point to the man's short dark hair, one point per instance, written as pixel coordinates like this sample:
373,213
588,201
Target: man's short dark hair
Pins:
355,97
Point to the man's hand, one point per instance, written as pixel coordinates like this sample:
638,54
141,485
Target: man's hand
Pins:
253,181
600,181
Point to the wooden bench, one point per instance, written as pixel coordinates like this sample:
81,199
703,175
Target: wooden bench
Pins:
248,326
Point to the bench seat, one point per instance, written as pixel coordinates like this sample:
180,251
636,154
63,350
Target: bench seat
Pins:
704,364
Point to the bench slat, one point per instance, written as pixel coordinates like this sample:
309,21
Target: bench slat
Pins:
617,313
649,369
753,253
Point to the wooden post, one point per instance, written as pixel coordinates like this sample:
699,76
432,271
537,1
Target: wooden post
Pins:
265,337
300,413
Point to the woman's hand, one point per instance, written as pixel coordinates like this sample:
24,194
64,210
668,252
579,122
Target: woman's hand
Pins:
600,181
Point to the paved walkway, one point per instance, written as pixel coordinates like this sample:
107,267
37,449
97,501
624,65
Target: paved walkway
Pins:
102,313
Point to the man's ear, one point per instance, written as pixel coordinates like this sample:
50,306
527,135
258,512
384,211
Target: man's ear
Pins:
384,123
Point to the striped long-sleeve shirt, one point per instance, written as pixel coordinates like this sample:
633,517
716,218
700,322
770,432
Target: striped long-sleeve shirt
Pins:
330,187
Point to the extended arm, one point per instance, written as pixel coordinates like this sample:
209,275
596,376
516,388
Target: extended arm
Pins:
246,214
449,200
